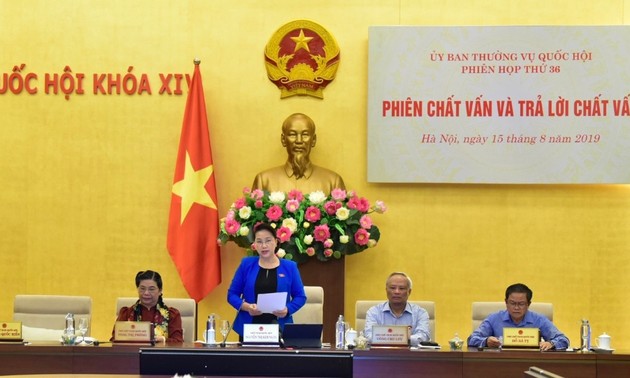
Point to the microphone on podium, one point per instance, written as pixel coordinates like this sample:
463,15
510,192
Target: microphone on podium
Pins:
231,325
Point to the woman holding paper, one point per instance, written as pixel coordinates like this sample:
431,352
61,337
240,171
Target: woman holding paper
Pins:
263,274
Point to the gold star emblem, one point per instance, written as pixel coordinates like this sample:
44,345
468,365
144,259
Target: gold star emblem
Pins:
301,42
192,188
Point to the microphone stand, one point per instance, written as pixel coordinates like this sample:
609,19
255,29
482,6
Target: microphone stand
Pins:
227,334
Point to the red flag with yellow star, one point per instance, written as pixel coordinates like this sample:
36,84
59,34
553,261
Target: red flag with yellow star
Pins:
194,220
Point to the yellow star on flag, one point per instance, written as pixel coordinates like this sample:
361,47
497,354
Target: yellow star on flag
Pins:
301,42
192,188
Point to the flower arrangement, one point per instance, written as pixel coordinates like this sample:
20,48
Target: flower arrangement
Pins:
319,225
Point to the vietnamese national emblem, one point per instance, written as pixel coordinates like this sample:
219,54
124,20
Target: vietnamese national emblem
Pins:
301,58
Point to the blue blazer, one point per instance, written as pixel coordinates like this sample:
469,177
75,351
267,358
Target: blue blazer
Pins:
242,289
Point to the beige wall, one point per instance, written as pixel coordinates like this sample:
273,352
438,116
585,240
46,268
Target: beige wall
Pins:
86,181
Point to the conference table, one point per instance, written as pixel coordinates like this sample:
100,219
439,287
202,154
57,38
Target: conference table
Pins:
197,360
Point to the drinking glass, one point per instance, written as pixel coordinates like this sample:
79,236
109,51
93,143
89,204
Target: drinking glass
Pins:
83,328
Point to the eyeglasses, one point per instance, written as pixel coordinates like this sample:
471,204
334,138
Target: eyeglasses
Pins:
517,304
264,242
150,289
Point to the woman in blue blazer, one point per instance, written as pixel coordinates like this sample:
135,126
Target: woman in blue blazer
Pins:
265,273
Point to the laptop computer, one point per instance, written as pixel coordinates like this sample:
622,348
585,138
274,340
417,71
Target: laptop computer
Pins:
302,335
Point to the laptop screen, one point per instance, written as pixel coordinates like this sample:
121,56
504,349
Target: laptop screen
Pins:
302,335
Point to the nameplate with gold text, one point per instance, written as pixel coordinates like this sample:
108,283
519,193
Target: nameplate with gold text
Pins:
521,337
392,335
135,332
11,331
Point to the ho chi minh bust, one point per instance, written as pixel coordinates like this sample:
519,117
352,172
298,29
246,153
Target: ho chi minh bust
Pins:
298,137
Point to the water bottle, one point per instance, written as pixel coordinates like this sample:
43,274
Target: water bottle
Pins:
210,330
68,335
340,333
585,335
69,324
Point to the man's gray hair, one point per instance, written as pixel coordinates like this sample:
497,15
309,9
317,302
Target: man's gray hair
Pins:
400,274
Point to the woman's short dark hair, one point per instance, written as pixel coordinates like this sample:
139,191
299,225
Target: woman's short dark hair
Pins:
264,227
149,275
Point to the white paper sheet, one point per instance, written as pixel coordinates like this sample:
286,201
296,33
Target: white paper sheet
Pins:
270,302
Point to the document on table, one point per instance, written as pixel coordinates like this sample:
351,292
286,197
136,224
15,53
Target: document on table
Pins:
270,302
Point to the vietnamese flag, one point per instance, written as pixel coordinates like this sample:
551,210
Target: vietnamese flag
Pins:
194,220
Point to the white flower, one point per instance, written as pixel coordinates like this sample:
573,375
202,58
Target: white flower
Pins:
308,239
342,213
306,225
317,197
243,231
371,243
276,197
344,239
290,223
245,212
281,253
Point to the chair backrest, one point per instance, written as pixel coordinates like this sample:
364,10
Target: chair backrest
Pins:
313,311
49,311
481,310
362,307
187,308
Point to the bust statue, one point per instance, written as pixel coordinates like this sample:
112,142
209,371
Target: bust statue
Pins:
298,172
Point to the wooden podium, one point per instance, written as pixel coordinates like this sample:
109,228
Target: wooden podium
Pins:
331,276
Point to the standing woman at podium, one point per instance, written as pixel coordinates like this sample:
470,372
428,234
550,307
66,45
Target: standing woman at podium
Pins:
265,273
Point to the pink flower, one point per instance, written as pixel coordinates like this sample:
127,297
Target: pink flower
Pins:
361,204
239,203
380,207
361,237
366,222
310,251
258,204
283,234
292,205
312,214
274,213
232,226
328,252
230,214
246,190
257,194
296,195
321,233
338,194
331,207
328,243
364,205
